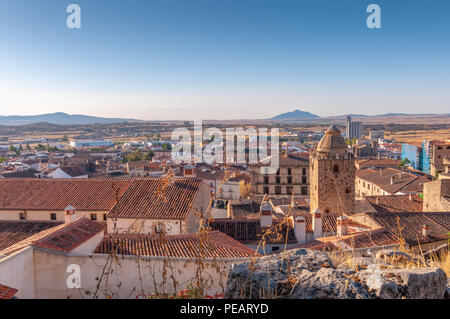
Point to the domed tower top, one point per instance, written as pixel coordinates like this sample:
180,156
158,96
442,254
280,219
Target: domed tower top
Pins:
332,142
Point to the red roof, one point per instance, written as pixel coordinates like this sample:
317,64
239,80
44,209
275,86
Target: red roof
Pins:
7,292
396,203
216,245
71,236
13,232
56,194
148,198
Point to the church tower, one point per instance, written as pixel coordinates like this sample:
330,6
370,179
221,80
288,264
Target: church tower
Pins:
332,171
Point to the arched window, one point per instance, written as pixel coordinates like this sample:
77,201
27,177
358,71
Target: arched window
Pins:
336,169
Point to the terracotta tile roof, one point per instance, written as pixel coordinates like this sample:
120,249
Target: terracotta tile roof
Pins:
377,237
242,211
7,292
141,200
329,221
404,181
56,194
364,206
13,232
71,236
376,163
250,231
73,170
286,161
217,245
210,174
30,173
396,203
412,223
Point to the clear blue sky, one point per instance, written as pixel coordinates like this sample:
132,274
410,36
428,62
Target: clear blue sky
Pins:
217,59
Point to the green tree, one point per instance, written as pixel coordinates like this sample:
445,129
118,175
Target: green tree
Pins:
404,163
167,147
150,155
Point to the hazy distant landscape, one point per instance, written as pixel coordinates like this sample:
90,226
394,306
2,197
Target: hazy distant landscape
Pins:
61,118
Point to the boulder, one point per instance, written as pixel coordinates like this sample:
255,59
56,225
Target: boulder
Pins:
308,274
296,274
415,283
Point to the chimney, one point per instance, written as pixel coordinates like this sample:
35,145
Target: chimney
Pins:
381,171
317,223
70,215
410,197
342,229
266,214
392,179
425,230
300,229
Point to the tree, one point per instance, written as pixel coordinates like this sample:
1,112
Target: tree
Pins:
167,147
65,138
40,147
404,163
436,174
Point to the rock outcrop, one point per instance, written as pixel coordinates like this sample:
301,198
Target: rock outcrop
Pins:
307,274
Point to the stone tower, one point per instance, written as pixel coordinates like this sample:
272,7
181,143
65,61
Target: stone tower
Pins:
332,175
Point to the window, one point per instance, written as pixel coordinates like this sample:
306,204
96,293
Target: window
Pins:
347,190
266,190
278,179
289,171
266,179
53,216
104,216
289,179
303,179
94,216
335,169
304,190
289,190
327,210
23,216
278,190
278,172
304,171
275,248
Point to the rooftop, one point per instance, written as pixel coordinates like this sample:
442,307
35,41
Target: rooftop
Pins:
215,245
396,203
13,232
56,194
332,141
7,292
151,198
251,232
71,236
394,180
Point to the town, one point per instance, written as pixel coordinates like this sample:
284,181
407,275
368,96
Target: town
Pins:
224,158
66,200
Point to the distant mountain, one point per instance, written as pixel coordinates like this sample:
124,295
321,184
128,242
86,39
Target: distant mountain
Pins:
60,118
295,115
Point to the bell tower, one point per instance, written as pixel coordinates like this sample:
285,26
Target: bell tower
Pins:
332,170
